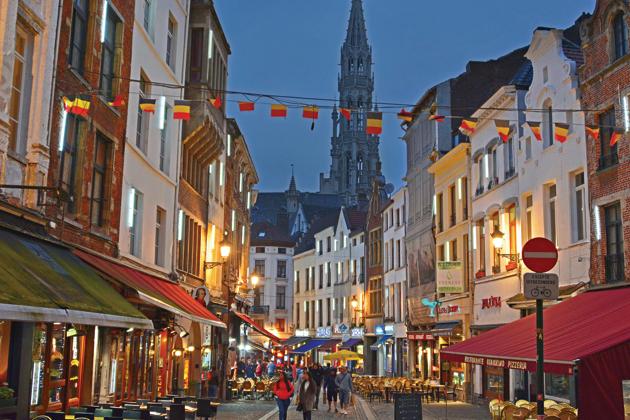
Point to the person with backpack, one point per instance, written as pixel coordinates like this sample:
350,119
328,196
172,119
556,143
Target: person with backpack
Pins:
344,384
283,390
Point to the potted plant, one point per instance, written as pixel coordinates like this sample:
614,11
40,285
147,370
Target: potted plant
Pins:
480,274
6,397
511,266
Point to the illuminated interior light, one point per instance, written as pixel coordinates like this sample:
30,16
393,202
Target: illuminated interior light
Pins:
62,129
130,205
103,21
180,225
162,112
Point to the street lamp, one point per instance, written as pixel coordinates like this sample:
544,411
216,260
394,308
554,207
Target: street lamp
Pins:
254,279
497,243
354,303
225,249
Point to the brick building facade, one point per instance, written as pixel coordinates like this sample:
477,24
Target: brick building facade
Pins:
86,162
605,85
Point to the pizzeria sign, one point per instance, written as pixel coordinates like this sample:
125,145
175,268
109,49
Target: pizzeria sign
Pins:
500,363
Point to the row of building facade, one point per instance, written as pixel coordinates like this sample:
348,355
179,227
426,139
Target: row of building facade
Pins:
439,261
116,225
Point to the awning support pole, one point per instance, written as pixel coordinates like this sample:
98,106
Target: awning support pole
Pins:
540,380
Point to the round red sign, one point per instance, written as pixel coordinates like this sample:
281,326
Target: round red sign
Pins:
540,255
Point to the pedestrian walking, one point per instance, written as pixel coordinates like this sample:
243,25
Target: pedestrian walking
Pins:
316,374
344,384
259,370
213,382
271,369
306,395
330,388
283,391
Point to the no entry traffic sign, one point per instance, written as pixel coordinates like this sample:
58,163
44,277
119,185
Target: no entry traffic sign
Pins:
540,255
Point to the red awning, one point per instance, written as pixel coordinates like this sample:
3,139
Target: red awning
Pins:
249,321
157,291
574,330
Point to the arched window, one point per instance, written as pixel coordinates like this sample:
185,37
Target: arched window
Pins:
359,168
348,169
360,114
620,35
351,65
360,65
547,122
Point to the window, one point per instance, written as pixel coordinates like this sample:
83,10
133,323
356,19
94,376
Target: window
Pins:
398,254
307,282
321,276
547,124
557,385
260,250
110,54
480,176
551,213
297,281
142,121
306,316
439,211
320,313
482,245
148,17
171,33
282,269
620,36
528,148
135,227
509,157
99,180
259,268
20,89
614,244
320,247
386,261
495,167
579,207
313,277
496,225
375,248
78,34
281,297
328,242
189,257
164,141
512,229
328,312
280,324
70,160
160,233
196,54
529,208
328,274
452,205
297,314
608,155
375,296
282,250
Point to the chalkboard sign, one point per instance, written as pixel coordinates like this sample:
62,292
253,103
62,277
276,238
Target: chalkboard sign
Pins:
407,406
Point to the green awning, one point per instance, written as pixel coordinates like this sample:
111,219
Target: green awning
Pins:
42,281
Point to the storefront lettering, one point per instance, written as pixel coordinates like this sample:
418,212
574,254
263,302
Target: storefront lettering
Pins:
495,362
474,360
450,309
323,332
491,302
357,332
517,364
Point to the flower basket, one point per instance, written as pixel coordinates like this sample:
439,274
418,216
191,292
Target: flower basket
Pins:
511,266
480,274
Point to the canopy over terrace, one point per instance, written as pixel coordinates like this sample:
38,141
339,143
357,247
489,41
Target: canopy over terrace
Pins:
588,335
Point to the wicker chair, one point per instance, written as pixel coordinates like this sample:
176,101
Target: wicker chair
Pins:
374,392
248,388
508,410
260,390
567,414
552,418
549,403
551,412
522,403
521,413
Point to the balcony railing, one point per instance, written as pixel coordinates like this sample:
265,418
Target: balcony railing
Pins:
259,310
614,268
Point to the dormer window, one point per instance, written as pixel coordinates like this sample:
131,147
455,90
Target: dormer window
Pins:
620,36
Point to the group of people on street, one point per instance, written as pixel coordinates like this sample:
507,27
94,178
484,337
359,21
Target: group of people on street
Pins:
337,386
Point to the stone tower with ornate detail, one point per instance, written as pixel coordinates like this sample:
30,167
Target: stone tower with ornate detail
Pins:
355,154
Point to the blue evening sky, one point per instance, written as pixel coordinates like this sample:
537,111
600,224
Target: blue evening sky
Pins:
292,47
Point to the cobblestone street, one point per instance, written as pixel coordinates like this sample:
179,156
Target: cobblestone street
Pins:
436,411
245,410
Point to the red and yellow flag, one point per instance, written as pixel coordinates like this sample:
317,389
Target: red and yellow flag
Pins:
245,106
278,110
614,137
216,102
405,115
468,127
438,118
535,127
67,103
310,112
374,123
147,105
117,102
593,132
181,110
345,112
561,132
504,129
80,106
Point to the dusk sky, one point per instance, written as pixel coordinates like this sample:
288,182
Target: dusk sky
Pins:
292,47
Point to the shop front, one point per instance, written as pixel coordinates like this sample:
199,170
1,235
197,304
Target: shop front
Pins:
586,349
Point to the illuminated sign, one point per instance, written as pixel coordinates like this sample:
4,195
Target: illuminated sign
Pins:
357,332
323,332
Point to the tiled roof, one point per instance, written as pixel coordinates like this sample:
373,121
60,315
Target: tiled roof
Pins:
524,75
265,233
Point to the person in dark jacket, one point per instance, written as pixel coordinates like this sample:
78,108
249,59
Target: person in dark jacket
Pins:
240,368
330,388
283,390
316,374
306,395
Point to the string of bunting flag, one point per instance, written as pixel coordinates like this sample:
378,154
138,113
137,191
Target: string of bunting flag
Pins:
279,108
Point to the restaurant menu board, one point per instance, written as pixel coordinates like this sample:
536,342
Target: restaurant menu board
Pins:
407,406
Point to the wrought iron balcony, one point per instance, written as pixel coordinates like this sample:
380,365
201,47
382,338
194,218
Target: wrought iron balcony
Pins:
259,310
614,268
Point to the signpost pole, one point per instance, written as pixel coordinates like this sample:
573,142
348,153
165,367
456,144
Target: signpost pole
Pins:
540,380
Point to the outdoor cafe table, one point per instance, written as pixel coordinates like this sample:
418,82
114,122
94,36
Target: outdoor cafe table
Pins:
437,389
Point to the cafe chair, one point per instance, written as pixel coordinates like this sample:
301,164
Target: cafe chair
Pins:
117,411
450,390
205,408
567,415
179,400
508,410
56,415
549,403
83,414
521,413
132,414
522,403
552,418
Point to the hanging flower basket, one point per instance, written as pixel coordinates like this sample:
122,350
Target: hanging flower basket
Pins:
511,266
480,274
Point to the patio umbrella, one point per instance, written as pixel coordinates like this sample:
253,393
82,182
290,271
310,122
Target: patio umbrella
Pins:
344,355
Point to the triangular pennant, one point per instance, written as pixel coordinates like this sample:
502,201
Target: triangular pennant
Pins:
614,137
535,127
216,102
147,105
593,132
246,106
405,115
345,112
117,102
561,132
468,127
503,129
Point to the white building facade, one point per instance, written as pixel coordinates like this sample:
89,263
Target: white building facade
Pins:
149,203
393,355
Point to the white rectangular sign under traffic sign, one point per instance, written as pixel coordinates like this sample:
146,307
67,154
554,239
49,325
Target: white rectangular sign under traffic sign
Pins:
541,286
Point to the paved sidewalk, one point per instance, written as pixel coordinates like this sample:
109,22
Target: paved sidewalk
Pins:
245,410
454,410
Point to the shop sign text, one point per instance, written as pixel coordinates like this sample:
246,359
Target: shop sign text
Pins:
491,302
323,332
357,332
501,363
449,310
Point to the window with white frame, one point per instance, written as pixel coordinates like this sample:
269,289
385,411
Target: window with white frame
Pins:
135,222
148,17
579,207
171,42
551,229
160,233
547,124
164,141
21,89
529,209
